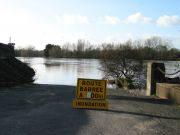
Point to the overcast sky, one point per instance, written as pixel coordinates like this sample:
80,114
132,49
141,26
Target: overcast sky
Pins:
39,22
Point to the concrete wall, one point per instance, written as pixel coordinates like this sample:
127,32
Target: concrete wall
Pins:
168,91
154,76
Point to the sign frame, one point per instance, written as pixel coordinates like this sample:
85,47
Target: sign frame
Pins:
88,95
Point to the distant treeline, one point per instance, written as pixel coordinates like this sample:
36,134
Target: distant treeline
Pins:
82,49
154,48
29,52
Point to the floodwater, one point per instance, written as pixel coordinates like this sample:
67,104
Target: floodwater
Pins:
65,71
171,68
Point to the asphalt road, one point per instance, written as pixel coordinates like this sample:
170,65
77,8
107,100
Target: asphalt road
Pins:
47,110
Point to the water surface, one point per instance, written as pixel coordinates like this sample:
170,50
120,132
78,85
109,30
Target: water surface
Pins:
63,71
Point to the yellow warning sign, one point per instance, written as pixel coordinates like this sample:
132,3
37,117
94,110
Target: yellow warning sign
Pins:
91,94
91,89
90,104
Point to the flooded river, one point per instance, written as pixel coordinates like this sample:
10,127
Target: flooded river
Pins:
64,71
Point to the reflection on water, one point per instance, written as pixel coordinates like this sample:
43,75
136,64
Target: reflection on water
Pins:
66,71
63,71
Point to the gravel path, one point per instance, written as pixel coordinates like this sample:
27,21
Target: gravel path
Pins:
47,110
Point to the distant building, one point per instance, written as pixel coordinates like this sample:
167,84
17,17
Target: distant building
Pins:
7,50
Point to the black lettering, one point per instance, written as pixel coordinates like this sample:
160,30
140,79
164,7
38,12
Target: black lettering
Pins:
85,88
103,104
78,103
98,83
83,82
92,83
89,88
96,96
93,89
80,95
92,95
81,88
86,104
97,89
100,90
87,83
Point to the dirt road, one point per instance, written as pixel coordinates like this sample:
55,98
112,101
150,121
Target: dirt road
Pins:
47,110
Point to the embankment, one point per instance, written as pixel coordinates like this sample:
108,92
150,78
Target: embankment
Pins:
13,72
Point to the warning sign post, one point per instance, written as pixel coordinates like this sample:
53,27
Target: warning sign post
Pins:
91,94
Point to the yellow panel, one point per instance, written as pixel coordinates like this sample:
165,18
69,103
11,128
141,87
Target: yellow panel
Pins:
91,89
90,104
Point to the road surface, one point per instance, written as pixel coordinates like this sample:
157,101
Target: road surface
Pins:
47,110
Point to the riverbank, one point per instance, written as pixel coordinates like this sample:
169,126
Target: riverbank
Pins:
14,72
47,110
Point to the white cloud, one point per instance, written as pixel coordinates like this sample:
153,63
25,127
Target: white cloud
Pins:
138,18
74,19
111,20
74,36
119,37
166,20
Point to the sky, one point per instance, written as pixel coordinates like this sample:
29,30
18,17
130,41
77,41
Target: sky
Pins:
39,22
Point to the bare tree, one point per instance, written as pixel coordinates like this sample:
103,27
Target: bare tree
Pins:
117,63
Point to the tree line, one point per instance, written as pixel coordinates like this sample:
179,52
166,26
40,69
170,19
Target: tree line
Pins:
82,49
154,48
122,62
29,51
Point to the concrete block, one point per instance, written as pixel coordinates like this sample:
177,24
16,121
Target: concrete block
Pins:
155,73
168,91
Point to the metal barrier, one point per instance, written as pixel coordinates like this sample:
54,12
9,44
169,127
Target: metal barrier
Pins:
166,73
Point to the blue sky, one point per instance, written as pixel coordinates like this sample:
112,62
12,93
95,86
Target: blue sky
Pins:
39,22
